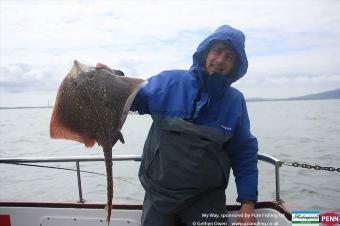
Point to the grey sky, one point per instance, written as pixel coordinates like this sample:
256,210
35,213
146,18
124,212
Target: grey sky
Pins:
292,46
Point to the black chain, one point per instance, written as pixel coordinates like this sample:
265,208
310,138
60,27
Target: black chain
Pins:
315,167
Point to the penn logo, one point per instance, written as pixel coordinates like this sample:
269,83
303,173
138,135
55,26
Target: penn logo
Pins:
329,218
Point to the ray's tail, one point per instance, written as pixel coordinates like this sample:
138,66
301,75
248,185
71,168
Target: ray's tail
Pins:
108,164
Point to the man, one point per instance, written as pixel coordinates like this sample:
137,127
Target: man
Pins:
200,129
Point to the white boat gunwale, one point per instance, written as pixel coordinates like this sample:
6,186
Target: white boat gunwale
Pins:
259,205
277,205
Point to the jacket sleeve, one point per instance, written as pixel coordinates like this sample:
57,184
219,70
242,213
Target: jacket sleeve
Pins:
141,101
243,149
151,97
145,98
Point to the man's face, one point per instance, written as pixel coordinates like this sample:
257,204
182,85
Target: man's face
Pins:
220,59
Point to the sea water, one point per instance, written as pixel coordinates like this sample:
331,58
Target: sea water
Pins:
301,131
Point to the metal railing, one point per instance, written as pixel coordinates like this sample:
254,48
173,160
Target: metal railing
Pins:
77,159
277,164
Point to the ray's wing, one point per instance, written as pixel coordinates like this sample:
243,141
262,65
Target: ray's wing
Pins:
58,129
136,84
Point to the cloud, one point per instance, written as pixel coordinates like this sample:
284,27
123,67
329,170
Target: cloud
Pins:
287,41
22,77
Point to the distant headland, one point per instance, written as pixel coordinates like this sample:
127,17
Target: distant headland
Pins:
26,107
331,94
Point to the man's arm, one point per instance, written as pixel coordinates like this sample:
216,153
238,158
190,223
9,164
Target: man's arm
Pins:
243,150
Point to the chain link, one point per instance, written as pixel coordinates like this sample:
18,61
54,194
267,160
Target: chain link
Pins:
315,167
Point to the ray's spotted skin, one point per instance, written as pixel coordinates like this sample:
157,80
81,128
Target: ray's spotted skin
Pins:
91,106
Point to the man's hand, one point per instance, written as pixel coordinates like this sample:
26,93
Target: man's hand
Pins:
103,66
246,214
113,71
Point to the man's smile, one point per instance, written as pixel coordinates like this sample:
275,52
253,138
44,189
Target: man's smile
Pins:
216,68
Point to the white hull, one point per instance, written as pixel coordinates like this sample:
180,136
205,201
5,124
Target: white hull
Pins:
73,214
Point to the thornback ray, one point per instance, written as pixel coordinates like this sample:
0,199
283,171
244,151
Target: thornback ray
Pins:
91,107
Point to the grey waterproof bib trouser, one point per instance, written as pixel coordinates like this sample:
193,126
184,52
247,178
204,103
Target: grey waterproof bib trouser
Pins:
184,172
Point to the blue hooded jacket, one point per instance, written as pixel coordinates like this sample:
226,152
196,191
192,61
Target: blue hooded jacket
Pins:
209,101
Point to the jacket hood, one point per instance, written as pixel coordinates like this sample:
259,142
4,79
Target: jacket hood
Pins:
235,38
